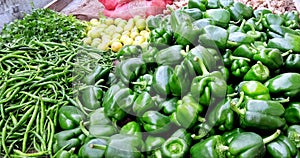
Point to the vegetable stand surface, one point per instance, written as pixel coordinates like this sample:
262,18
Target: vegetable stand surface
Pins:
198,85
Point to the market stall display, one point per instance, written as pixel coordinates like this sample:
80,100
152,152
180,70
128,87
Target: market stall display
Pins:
214,78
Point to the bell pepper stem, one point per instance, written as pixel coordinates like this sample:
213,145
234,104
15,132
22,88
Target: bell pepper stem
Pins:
202,66
260,19
201,119
157,154
232,94
222,148
83,129
239,58
235,106
98,146
286,53
232,43
283,100
272,137
242,24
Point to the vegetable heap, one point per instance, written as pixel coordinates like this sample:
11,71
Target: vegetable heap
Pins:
218,79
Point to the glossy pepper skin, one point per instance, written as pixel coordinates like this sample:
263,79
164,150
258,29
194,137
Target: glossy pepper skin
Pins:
161,83
149,54
117,100
169,56
292,62
260,114
143,103
258,72
244,50
282,146
132,128
236,39
239,68
184,32
66,154
221,17
155,122
88,149
129,51
161,37
180,80
194,13
99,72
272,19
169,106
68,139
293,133
229,135
100,125
294,40
200,4
153,22
286,84
174,147
291,19
91,97
213,36
228,58
153,146
187,111
239,11
270,57
124,146
292,113
254,90
129,70
69,117
209,86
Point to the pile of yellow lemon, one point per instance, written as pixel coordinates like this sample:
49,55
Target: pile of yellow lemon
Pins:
108,33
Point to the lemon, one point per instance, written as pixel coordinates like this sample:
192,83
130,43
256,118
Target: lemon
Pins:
116,46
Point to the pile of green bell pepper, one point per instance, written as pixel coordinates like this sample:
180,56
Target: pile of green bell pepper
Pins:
218,79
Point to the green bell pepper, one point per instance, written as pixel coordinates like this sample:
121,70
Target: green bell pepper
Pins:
254,90
221,17
258,72
153,145
286,84
245,50
259,114
143,103
201,23
169,106
239,11
161,37
143,84
65,154
68,139
155,122
161,83
282,146
294,40
271,57
88,150
280,43
259,12
100,125
292,63
180,80
124,146
117,101
194,13
253,23
229,135
213,36
130,69
174,148
99,72
149,54
226,3
292,113
213,4
169,56
132,128
187,111
293,133
228,57
183,134
236,39
207,59
281,30
272,19
239,68
129,51
209,86
199,4
70,117
153,22
225,72
291,19
184,32
91,97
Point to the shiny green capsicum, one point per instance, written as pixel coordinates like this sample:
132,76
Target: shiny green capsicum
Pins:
292,113
161,83
143,103
161,37
88,149
200,4
99,72
258,72
282,146
132,128
155,122
91,97
169,56
69,117
169,106
129,51
213,36
143,84
293,133
254,90
292,63
221,17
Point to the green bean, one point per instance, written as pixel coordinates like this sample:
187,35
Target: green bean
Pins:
37,154
45,99
43,117
36,146
2,111
11,96
13,118
42,141
19,106
52,131
4,138
10,148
